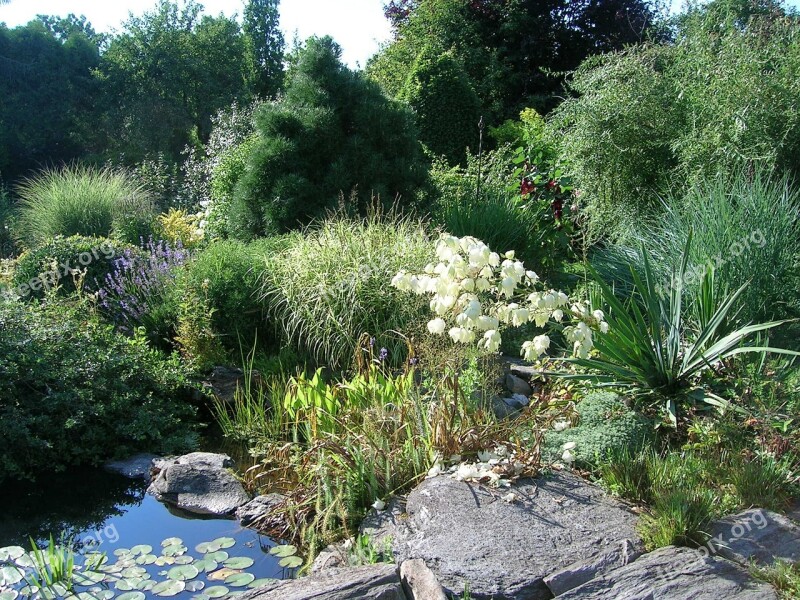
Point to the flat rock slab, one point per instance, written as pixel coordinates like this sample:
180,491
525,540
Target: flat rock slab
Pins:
135,467
467,534
200,483
372,582
794,513
674,574
758,535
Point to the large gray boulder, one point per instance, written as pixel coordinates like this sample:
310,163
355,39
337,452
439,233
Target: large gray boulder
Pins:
674,574
756,535
372,582
467,533
200,483
419,582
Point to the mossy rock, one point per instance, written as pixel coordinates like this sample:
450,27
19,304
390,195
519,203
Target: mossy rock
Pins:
605,424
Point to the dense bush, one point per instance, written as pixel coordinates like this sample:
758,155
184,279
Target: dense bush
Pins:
332,285
74,392
228,273
658,117
7,246
605,424
745,226
57,263
447,109
83,201
331,133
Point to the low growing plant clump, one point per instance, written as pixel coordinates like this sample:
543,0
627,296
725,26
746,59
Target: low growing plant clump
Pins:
73,391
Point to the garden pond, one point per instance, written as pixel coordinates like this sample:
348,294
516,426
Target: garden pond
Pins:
124,543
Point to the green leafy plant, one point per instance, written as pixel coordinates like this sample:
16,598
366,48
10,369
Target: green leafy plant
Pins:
680,517
83,201
652,349
784,577
53,565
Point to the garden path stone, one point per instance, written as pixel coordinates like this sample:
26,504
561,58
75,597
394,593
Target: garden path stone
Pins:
466,533
674,574
258,508
371,582
135,467
200,483
758,535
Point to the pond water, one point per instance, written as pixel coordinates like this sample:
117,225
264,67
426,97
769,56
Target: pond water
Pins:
144,541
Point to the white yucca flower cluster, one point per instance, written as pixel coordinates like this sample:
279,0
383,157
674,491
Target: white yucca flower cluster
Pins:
476,291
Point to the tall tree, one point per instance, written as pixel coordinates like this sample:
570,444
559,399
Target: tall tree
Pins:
166,74
265,45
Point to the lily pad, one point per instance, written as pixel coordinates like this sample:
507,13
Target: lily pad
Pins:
164,560
122,552
134,573
219,556
141,549
261,582
9,595
239,562
240,579
291,562
283,551
145,585
216,591
222,574
206,565
183,572
88,577
175,550
11,553
126,585
170,587
132,596
10,575
195,586
146,559
220,544
184,560
173,541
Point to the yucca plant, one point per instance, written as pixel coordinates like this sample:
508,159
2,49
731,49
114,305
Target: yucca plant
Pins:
652,347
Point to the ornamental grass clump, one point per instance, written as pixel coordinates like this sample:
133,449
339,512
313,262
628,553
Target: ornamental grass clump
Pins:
326,288
82,201
475,292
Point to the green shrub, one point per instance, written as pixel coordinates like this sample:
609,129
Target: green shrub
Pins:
762,483
72,391
331,133
744,225
680,517
605,424
7,246
446,106
54,262
654,118
228,273
83,201
328,287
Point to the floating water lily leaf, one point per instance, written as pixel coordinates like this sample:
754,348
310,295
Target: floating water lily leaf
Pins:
222,574
195,586
164,560
291,562
145,585
216,591
146,559
200,597
120,552
202,547
175,550
283,551
173,541
184,560
262,582
219,556
220,544
25,561
10,575
88,577
29,590
132,596
93,560
141,549
101,594
9,595
11,553
183,572
206,565
170,587
126,585
240,579
239,562
134,573
126,562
